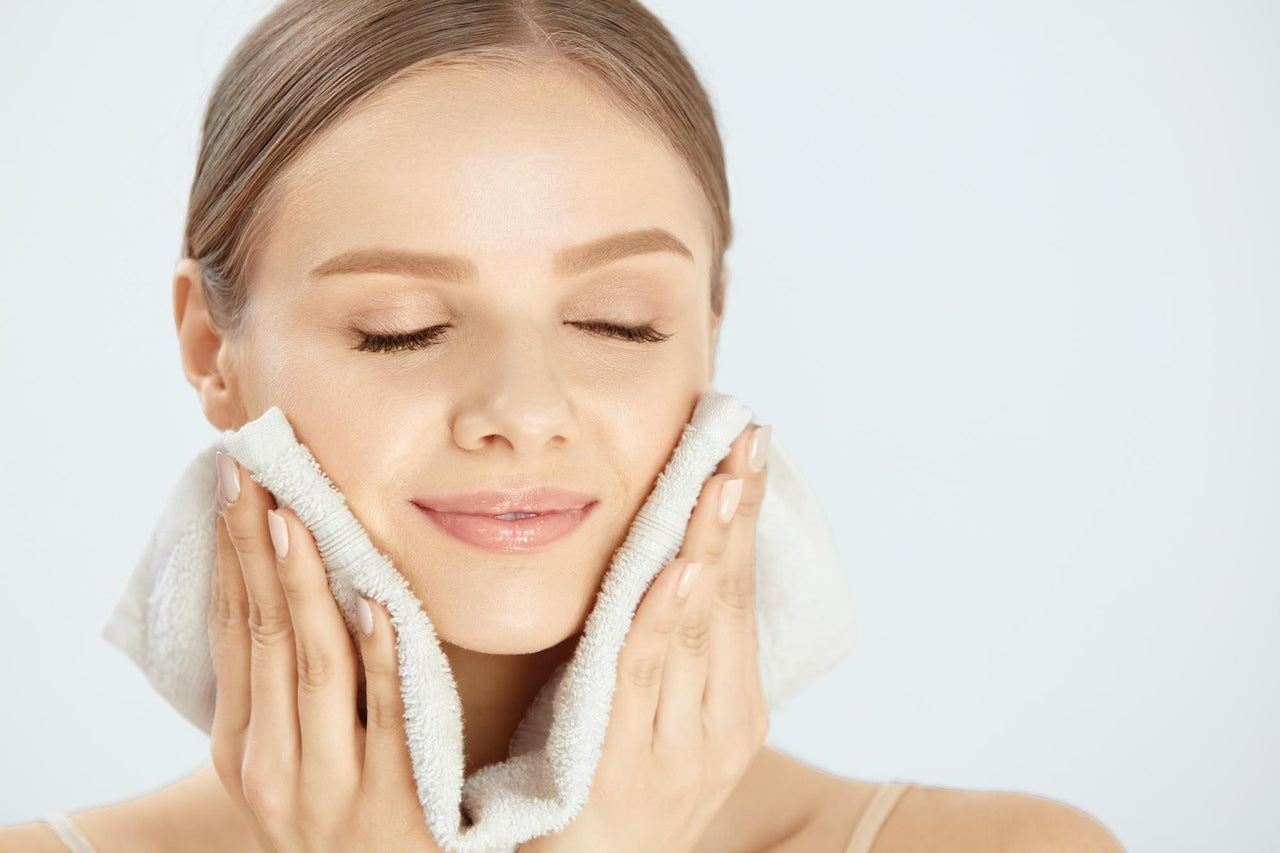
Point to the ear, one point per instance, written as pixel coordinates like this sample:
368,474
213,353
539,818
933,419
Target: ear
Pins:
209,360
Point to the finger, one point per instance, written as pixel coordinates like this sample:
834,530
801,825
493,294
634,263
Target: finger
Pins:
640,664
230,654
734,707
273,737
734,629
387,763
326,659
684,673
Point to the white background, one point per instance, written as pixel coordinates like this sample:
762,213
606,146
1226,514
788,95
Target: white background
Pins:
1005,282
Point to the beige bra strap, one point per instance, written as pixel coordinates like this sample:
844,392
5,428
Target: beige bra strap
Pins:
864,835
68,833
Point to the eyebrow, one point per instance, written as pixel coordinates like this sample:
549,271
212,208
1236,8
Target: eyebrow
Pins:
569,261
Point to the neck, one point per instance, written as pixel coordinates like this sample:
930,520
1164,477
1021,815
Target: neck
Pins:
496,691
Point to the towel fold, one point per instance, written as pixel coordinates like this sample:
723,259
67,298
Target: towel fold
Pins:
803,606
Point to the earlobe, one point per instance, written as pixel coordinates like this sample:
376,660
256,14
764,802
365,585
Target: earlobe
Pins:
204,361
716,318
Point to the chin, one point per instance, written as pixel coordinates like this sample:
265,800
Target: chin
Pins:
508,639
515,622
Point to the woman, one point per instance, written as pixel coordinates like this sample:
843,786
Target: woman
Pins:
474,246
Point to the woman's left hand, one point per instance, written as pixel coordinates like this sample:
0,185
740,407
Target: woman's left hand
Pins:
689,715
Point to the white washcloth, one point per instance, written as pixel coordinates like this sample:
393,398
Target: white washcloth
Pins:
804,610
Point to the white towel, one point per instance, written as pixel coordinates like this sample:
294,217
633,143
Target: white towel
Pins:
804,610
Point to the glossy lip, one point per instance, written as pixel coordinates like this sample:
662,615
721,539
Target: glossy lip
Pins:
519,535
540,499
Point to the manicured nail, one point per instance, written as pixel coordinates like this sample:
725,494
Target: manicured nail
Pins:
228,478
279,533
365,615
730,494
760,447
687,578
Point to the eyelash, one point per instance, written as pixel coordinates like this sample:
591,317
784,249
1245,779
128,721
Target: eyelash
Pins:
423,338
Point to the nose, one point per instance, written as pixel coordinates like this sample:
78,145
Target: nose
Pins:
513,394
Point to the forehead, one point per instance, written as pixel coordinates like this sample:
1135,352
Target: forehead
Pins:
490,163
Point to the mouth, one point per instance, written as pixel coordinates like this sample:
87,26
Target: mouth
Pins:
509,532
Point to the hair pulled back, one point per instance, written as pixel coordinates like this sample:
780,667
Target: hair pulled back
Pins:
308,62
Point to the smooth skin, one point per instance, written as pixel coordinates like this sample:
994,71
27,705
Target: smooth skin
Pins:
505,170
527,379
688,718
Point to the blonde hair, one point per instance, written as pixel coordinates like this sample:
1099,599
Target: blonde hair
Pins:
310,61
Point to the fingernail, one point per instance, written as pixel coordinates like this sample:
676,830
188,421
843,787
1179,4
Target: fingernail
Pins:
228,478
687,577
760,447
730,494
364,614
279,533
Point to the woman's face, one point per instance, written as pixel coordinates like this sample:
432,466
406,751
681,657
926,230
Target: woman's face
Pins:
508,172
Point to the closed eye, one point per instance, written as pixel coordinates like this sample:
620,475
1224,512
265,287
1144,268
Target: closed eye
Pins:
420,339
644,334
423,338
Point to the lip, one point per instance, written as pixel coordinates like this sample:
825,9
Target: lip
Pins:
496,534
540,499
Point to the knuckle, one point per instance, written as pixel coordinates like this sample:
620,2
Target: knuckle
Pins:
752,498
263,792
269,623
695,636
666,622
383,713
736,592
243,534
294,586
644,673
315,668
716,546
230,611
380,666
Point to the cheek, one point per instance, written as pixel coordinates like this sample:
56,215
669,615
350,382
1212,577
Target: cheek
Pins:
352,428
647,433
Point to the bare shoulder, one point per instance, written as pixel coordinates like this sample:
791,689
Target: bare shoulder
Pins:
193,813
29,838
928,819
819,812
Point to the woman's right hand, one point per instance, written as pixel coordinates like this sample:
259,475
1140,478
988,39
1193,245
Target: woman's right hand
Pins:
287,741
